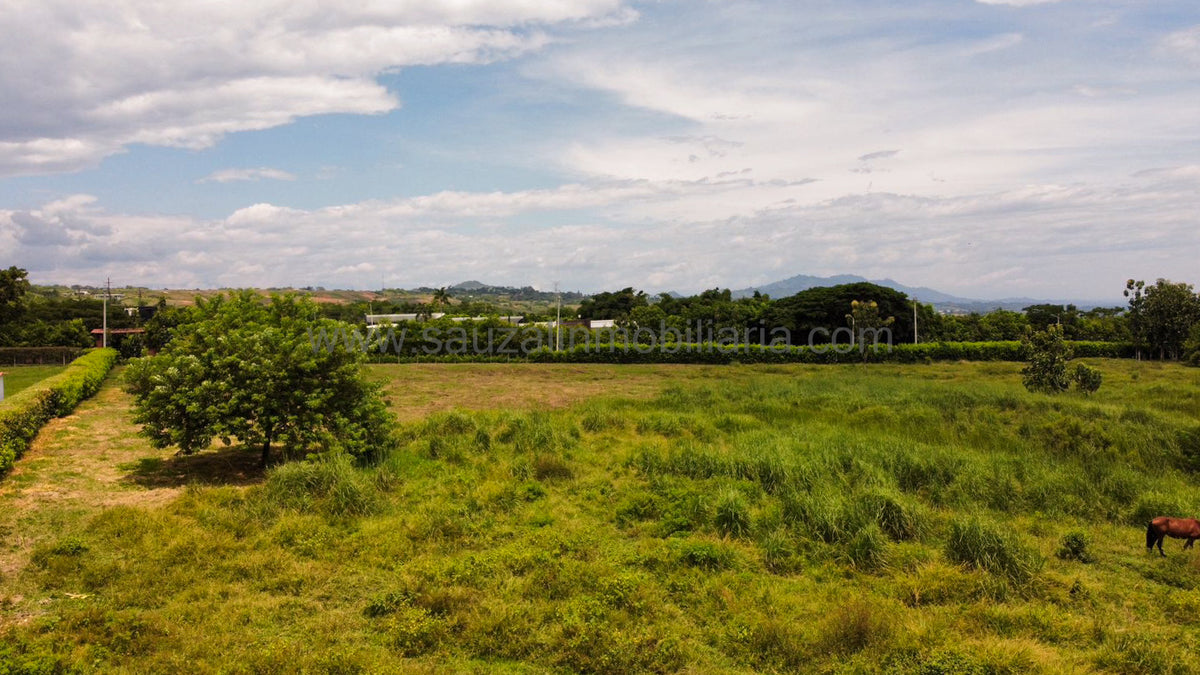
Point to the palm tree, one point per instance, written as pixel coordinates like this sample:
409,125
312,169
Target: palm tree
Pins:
441,296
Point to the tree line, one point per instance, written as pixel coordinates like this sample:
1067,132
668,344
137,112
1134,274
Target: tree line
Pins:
1161,318
49,319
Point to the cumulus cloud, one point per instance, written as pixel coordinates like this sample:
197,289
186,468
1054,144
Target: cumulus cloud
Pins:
1036,155
1184,44
968,244
1041,104
81,82
231,175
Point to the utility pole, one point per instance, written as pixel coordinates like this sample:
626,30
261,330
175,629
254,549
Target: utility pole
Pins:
915,321
557,319
107,292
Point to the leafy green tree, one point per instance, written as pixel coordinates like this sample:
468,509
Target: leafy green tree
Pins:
14,284
161,326
441,297
60,334
1047,354
618,305
824,308
247,369
867,323
1191,348
1003,324
1039,317
648,322
1104,324
1161,315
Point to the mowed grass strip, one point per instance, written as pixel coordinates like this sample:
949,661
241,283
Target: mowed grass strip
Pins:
741,519
17,378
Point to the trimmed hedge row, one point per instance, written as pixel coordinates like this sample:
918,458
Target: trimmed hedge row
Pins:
27,356
23,414
749,353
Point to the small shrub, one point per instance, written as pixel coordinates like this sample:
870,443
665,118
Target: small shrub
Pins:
816,515
1189,448
867,551
930,475
637,507
413,631
1047,354
1151,505
531,491
1074,546
483,440
951,662
601,419
1086,379
983,546
855,626
897,520
551,467
70,546
1139,653
732,516
17,658
684,512
705,555
329,484
449,423
778,553
388,603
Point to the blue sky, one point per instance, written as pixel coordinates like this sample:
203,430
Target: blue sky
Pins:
1046,149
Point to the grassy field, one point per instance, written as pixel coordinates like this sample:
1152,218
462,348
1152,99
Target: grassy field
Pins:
922,519
17,378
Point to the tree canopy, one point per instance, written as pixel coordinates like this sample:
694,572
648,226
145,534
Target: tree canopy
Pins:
616,305
1162,314
825,308
246,369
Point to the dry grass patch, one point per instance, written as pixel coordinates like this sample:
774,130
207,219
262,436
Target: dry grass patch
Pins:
418,389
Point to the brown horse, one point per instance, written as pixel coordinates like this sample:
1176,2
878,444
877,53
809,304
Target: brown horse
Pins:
1175,528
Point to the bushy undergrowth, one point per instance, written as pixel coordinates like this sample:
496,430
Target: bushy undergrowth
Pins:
898,520
987,547
23,414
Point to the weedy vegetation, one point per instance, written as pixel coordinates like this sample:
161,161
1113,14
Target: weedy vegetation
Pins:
881,518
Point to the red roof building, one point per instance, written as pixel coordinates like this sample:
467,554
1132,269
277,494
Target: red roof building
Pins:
99,333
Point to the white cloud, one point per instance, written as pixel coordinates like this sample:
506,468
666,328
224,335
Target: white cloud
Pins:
995,44
1184,44
973,114
82,81
231,175
1082,241
1017,3
728,144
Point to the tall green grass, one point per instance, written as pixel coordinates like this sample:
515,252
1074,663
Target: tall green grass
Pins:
860,519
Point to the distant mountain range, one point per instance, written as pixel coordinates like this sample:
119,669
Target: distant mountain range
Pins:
478,289
942,301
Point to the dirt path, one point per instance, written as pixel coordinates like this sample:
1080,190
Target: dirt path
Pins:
94,458
86,460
